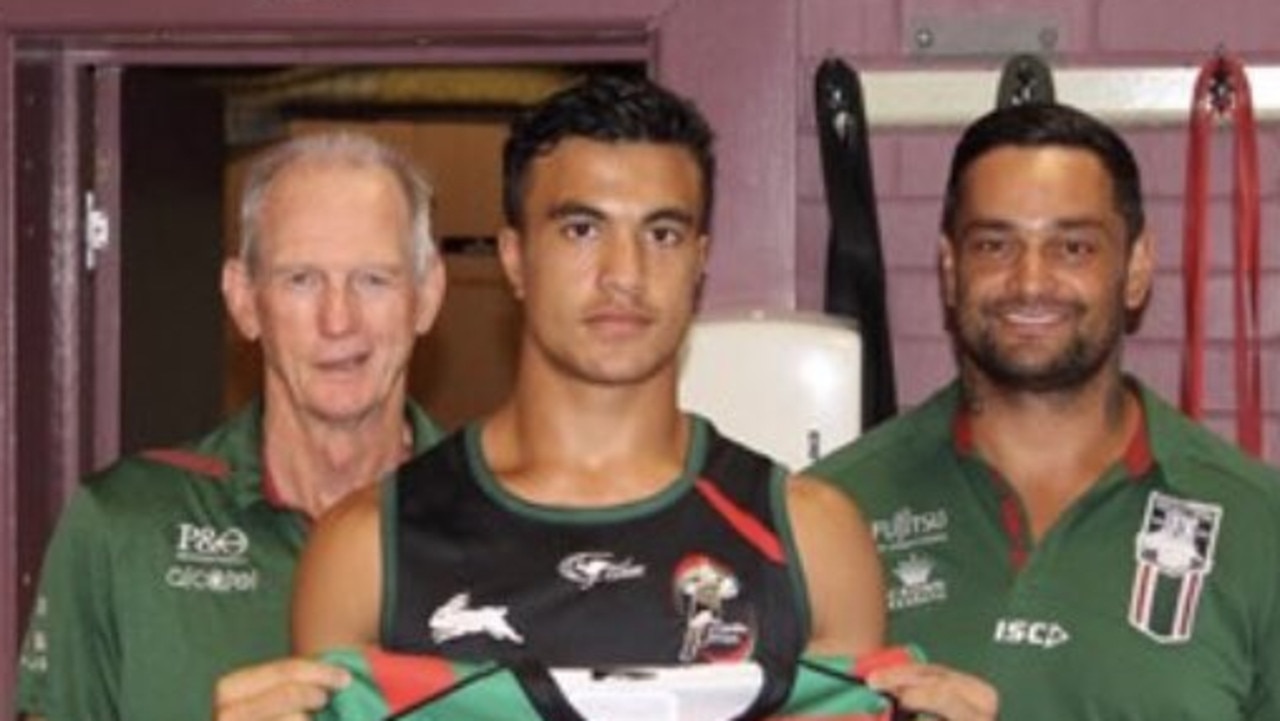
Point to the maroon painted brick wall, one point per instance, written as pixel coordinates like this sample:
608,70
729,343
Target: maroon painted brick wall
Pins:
910,168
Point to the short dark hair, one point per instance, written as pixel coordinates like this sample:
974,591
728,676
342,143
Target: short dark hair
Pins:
610,109
1046,124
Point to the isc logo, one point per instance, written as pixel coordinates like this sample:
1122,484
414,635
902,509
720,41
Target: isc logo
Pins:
1022,632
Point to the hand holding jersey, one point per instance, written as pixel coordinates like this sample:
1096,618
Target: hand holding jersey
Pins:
393,687
284,690
944,692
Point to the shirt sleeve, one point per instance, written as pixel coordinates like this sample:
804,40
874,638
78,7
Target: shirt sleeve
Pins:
69,665
33,661
1264,698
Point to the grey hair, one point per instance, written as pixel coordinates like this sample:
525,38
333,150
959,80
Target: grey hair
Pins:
341,147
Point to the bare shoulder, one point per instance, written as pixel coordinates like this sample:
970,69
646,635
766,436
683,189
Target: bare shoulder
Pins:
816,500
346,529
360,508
338,592
826,521
348,532
841,569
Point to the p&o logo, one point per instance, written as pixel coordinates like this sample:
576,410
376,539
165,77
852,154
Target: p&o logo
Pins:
211,560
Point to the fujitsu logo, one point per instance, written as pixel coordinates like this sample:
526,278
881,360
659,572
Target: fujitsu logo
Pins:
907,528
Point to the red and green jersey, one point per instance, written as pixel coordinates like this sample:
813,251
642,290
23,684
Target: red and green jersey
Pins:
704,570
402,687
1155,595
166,570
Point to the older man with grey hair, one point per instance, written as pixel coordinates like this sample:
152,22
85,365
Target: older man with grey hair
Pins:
173,568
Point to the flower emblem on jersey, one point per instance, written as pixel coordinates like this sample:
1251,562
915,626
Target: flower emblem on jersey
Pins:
454,620
589,568
916,583
703,588
1174,551
914,571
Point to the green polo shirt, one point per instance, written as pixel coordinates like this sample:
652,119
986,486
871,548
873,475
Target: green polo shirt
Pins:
166,570
1156,595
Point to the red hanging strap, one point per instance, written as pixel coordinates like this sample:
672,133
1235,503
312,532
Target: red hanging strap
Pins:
1222,92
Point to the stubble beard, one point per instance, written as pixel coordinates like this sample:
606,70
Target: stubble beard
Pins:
1073,366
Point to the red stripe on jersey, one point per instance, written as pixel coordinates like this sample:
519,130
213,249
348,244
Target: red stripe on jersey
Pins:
269,489
405,680
189,461
889,657
962,431
1141,610
1138,458
1010,507
1187,606
882,716
744,523
1011,517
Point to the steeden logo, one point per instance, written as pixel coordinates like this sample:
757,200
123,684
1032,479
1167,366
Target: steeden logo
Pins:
589,568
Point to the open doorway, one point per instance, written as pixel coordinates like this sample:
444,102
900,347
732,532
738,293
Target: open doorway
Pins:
64,64
187,135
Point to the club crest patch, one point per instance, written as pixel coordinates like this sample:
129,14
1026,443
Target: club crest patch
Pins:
1174,552
705,591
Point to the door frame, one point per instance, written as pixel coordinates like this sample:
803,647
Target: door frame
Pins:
744,79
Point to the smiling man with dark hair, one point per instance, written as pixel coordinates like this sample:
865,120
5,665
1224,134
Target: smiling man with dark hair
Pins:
1046,521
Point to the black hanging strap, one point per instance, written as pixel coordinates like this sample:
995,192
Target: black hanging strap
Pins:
1026,79
855,266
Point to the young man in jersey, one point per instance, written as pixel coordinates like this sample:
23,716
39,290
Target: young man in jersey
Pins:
176,566
589,521
1046,521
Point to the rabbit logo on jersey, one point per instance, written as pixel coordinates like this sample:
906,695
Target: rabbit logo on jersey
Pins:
703,590
210,559
1174,553
457,617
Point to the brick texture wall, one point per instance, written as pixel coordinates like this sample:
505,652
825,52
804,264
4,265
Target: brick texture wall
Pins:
910,167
